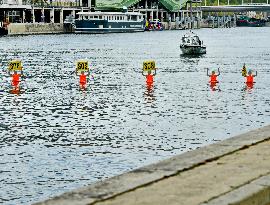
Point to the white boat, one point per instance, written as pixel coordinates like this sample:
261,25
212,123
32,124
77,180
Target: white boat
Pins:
109,22
192,45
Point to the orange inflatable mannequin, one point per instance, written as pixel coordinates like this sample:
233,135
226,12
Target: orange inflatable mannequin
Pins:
213,76
83,80
250,77
16,79
149,77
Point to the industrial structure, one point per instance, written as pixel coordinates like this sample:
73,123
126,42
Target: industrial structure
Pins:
55,11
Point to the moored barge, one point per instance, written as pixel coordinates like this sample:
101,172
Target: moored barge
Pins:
109,22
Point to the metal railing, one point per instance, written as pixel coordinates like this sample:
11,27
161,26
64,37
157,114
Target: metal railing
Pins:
42,3
55,3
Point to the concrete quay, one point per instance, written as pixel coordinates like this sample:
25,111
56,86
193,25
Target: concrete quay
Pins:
235,171
35,28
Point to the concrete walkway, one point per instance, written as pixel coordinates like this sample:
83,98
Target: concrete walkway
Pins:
234,171
207,183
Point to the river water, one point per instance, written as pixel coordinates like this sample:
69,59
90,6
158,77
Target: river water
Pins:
55,137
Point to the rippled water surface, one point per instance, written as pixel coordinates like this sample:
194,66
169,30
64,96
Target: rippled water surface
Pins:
55,137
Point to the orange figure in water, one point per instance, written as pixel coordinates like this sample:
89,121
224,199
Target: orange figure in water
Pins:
213,76
213,86
15,80
83,80
250,77
149,78
249,86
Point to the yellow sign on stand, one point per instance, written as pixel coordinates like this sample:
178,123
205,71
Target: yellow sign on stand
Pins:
15,65
149,65
82,66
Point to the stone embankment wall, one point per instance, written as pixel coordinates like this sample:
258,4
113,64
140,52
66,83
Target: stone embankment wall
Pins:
234,171
50,28
35,28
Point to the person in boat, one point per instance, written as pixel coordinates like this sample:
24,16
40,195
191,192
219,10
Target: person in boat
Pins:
213,76
184,40
250,77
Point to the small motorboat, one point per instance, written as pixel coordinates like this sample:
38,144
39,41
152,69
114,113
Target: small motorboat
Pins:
192,45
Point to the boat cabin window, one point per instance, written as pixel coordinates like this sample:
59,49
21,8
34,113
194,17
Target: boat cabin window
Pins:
95,17
195,40
100,17
133,18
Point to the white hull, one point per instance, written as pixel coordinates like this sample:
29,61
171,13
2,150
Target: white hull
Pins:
193,50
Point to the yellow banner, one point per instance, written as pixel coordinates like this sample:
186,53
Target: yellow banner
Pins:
82,65
149,65
15,65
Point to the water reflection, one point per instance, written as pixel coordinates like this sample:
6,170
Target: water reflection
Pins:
16,90
214,86
248,87
192,61
83,87
149,92
192,57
